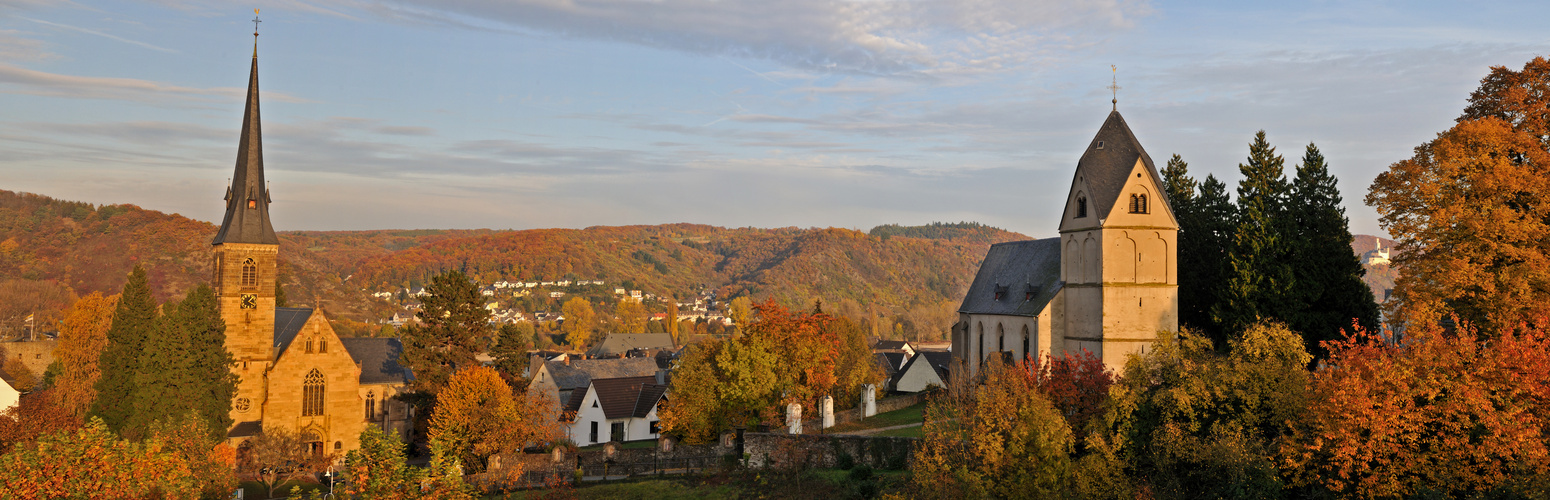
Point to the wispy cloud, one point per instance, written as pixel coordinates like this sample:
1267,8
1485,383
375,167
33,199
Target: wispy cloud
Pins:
896,38
26,81
101,34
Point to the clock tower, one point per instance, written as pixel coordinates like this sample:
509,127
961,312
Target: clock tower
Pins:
245,252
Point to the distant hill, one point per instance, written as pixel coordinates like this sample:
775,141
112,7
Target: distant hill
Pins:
895,268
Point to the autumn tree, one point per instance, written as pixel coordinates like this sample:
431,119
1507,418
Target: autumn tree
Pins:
83,334
202,449
1327,274
1002,439
670,323
379,470
1189,422
277,455
134,321
1078,386
1439,414
580,321
1471,211
632,316
740,310
477,416
91,462
36,414
453,322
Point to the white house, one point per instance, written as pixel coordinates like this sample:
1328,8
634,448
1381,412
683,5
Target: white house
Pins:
615,409
924,370
9,396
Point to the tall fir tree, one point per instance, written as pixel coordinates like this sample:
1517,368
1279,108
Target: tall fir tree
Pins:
1328,274
186,368
1259,278
134,321
453,326
1212,242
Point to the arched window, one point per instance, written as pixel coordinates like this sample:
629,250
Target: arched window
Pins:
1000,338
1026,355
371,405
1138,203
979,347
249,272
1081,207
312,394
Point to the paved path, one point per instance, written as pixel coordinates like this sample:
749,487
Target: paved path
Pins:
865,432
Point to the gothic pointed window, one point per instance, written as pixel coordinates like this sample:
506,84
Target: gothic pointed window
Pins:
1081,207
249,272
312,394
1138,203
371,405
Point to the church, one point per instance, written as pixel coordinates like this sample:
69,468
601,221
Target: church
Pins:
1107,284
294,373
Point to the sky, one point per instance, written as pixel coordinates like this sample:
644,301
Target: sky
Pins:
518,114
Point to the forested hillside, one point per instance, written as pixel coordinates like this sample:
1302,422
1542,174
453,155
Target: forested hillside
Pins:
77,248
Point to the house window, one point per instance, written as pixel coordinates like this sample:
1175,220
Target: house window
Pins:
594,433
249,272
656,427
1081,207
371,406
1138,204
312,394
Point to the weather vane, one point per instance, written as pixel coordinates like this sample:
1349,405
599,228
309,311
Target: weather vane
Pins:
1114,86
255,22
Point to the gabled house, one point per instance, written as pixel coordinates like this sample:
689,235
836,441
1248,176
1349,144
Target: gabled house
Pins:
923,371
615,409
618,344
900,346
558,380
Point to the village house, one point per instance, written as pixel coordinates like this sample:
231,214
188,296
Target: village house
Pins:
558,379
923,371
615,409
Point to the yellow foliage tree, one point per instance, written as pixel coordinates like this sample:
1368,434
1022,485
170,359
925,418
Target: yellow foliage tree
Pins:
579,323
632,316
82,335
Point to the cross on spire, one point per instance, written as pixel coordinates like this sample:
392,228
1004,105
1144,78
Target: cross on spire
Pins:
255,23
1114,86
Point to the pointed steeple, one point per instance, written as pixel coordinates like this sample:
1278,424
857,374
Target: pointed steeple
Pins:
247,199
1107,163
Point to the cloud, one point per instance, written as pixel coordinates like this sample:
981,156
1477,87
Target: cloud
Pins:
33,82
15,47
927,38
101,34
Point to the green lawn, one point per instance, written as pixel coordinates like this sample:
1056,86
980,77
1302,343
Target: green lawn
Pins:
254,490
912,432
906,415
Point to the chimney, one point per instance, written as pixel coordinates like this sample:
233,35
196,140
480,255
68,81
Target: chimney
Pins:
661,377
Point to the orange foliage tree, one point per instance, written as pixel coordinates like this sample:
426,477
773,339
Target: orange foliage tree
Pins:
1471,210
477,416
1078,386
36,414
1439,412
91,462
82,335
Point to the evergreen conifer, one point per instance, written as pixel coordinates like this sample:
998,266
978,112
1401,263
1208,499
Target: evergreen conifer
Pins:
1258,277
134,321
1328,274
186,369
1212,238
453,325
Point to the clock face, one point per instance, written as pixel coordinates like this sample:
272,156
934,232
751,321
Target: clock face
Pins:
249,301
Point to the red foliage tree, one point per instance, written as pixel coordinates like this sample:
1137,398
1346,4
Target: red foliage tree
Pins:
1078,385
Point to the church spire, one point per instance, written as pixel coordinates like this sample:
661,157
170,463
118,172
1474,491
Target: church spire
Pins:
247,199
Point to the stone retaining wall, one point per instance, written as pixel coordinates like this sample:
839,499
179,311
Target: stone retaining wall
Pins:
776,450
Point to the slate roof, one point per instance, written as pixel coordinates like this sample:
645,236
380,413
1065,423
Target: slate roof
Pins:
1016,268
891,344
1105,171
619,343
939,360
243,224
246,429
627,396
287,323
580,372
888,366
378,358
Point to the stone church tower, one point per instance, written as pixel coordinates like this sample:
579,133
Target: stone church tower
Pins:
1107,284
246,252
295,374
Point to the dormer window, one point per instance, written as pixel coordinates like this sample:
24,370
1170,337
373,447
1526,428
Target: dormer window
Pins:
252,203
1000,291
1138,204
1029,292
1100,144
1081,207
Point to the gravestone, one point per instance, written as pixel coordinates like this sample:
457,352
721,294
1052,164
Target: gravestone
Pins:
826,412
793,418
